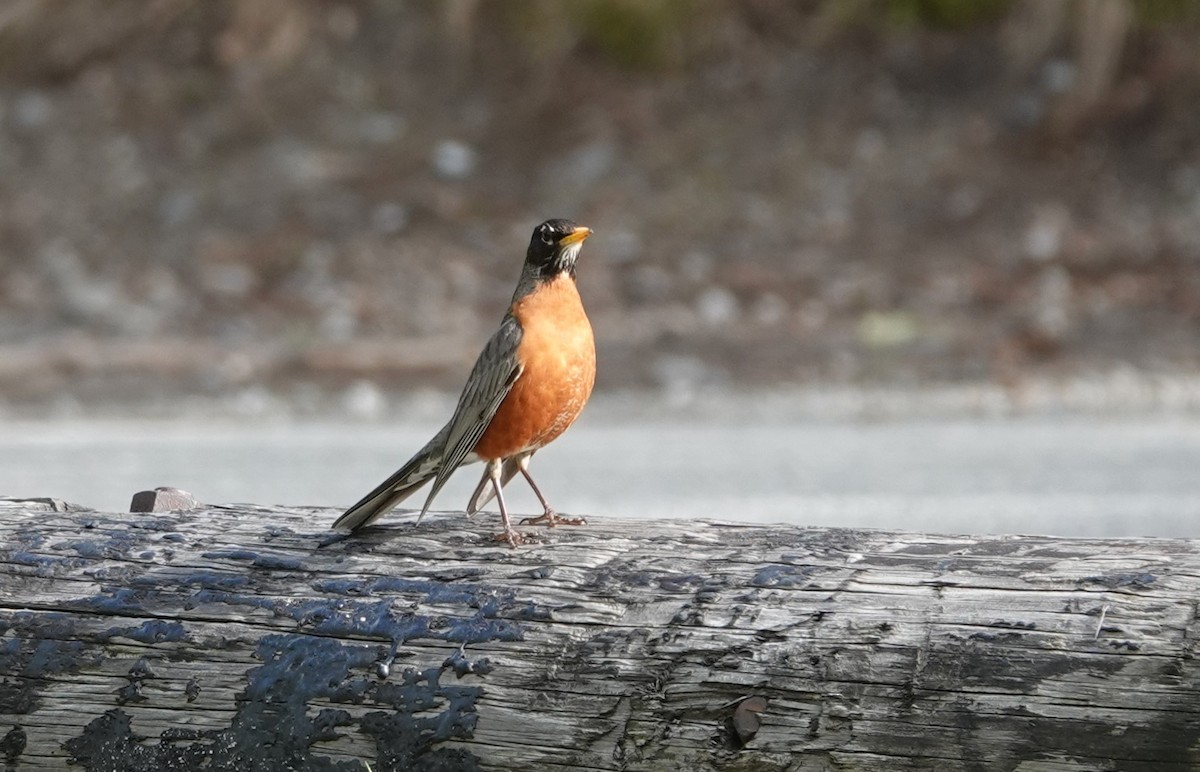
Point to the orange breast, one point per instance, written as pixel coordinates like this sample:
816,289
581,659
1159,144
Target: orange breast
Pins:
559,359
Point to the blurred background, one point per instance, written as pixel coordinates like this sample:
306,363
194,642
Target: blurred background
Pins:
977,219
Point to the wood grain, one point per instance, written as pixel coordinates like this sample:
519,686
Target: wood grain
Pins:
250,637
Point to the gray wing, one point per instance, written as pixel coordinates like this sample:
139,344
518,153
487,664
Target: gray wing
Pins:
492,377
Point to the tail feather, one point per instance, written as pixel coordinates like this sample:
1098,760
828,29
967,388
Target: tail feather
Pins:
419,469
378,502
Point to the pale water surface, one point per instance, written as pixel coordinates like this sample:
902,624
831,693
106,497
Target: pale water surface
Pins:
1070,476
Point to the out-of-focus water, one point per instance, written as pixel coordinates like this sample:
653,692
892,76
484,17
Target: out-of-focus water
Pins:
1070,476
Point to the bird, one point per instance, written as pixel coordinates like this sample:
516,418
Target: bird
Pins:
528,385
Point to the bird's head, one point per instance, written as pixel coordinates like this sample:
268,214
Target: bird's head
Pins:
554,248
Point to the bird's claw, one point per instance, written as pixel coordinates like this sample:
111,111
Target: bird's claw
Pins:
551,518
514,539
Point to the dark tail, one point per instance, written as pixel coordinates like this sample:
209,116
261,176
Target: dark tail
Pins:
419,470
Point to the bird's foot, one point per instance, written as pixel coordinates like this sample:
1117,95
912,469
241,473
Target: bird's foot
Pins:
514,539
551,518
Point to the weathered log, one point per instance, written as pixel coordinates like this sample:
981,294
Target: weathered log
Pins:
251,638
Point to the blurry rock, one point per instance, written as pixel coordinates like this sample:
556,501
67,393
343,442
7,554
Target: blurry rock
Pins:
140,320
717,305
759,211
1185,181
307,399
870,145
1026,111
334,211
309,279
1030,30
622,246
234,367
271,33
126,171
570,179
696,267
389,218
845,292
256,402
649,283
964,202
948,290
338,321
1059,76
680,377
589,163
381,128
231,280
979,131
1052,309
812,315
305,165
24,291
466,285
769,309
363,399
66,406
834,189
82,293
178,207
32,110
343,22
886,329
453,160
1044,238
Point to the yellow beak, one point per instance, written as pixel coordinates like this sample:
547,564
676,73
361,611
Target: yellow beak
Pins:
575,236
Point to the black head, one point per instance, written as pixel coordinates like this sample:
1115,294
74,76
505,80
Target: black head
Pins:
554,247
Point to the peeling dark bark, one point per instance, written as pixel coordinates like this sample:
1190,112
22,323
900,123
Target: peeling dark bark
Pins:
252,638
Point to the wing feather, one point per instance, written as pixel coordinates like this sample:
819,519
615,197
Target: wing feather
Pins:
492,377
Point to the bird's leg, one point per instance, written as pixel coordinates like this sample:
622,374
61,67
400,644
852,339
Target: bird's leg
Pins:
549,517
509,535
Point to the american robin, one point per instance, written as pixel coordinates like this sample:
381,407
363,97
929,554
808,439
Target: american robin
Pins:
528,385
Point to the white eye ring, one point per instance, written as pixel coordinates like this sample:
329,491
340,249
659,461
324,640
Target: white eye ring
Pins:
546,238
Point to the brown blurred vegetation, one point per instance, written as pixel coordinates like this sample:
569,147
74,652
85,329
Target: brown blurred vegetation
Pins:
200,195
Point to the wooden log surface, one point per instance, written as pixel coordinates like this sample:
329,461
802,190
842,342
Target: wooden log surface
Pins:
252,638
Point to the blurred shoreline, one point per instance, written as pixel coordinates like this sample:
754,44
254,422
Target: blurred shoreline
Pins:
1115,394
298,207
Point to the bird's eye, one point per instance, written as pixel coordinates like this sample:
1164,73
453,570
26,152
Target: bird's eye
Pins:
547,238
